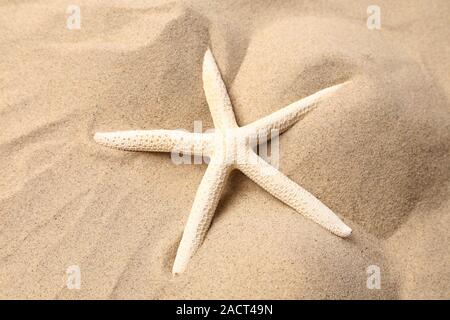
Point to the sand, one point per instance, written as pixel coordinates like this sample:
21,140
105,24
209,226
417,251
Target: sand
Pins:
377,153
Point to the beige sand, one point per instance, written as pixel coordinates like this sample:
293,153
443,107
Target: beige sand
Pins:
378,155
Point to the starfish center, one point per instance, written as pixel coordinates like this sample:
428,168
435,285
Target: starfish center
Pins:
232,146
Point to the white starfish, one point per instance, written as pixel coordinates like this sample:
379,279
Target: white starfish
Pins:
229,147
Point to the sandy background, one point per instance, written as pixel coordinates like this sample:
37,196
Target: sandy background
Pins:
377,153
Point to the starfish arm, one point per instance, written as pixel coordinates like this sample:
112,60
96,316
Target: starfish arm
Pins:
282,119
216,94
292,194
202,212
156,141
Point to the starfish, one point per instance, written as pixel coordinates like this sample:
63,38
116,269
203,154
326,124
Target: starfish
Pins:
229,147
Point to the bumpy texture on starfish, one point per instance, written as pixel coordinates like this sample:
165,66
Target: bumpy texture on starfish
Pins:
229,147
